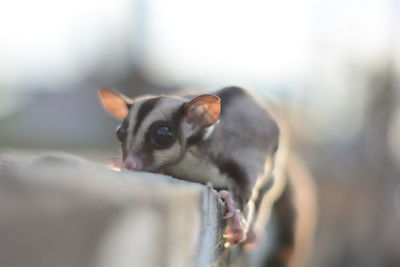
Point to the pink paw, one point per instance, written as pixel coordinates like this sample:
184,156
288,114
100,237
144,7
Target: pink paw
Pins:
230,205
235,231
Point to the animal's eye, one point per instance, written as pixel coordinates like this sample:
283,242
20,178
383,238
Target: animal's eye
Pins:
163,137
121,133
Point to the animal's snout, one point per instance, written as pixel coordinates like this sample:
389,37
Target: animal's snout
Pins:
133,164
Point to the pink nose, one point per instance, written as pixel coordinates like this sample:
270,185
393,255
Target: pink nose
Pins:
132,164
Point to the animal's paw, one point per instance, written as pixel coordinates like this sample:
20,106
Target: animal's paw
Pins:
230,205
235,231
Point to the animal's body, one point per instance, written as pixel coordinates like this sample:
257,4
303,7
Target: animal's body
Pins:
226,138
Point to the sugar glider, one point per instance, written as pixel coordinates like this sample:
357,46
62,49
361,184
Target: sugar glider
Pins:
225,138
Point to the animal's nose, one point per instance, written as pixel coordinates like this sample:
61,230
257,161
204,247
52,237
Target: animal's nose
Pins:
132,164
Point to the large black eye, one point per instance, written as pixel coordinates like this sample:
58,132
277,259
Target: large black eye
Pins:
163,137
121,133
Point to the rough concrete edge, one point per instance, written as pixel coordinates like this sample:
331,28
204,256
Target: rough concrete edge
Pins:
211,243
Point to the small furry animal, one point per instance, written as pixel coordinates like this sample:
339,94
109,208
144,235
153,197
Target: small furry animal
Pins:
226,138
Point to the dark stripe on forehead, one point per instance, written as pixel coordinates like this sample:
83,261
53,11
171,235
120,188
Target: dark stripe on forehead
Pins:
144,110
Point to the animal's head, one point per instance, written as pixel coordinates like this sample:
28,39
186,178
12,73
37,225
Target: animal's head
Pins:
156,130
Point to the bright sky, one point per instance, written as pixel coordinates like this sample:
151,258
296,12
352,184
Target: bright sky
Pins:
45,39
221,39
188,40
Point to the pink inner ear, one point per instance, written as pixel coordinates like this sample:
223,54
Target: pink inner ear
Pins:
114,102
203,110
196,115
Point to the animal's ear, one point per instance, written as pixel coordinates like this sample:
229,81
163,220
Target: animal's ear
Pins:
115,103
203,111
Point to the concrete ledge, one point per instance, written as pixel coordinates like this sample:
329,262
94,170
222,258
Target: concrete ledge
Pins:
59,211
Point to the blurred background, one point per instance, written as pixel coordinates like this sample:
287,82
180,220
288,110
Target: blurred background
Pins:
331,68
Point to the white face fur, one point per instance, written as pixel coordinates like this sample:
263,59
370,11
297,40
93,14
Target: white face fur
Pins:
155,130
152,138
